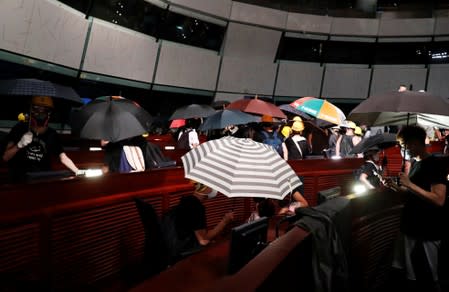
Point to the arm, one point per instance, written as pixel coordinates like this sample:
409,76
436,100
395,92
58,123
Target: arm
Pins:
436,195
68,162
364,179
337,145
205,236
10,152
299,198
285,151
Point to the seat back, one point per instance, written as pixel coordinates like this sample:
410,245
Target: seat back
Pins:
155,252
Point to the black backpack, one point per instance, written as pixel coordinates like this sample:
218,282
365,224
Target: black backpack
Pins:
154,158
183,141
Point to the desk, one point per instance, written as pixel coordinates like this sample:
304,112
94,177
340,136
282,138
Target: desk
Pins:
194,273
200,271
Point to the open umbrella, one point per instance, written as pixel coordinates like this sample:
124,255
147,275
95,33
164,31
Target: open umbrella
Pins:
382,141
111,118
402,108
36,87
240,167
320,109
192,111
257,106
223,118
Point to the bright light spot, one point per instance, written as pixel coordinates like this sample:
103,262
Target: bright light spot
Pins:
93,172
95,149
358,189
169,147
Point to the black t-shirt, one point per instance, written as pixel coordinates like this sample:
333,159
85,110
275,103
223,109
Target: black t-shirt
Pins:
191,216
422,219
36,155
372,173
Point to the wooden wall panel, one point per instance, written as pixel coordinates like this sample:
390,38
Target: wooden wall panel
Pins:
19,253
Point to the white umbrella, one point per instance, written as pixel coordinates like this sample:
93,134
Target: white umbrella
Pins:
240,167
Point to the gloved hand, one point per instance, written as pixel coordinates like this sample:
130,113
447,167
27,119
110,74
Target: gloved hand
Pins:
26,139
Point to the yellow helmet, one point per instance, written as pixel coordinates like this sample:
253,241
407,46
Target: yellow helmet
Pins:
358,131
297,119
349,124
286,131
45,101
298,126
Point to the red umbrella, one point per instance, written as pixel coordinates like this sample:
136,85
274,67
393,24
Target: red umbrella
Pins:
178,123
257,106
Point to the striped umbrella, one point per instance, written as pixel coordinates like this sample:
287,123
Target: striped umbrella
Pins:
320,109
240,167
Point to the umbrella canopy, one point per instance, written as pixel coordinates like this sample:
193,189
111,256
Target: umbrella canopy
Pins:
257,106
192,111
222,119
320,109
382,141
36,87
240,167
402,108
178,123
111,118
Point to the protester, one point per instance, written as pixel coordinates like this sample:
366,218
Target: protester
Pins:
369,174
29,146
423,217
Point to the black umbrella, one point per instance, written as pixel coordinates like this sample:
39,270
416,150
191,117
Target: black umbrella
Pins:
111,118
402,108
382,141
192,111
222,119
36,87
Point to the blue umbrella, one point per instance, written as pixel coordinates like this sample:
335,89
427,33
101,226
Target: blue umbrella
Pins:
36,87
222,119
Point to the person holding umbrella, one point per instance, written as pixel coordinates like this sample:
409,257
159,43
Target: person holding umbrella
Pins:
29,145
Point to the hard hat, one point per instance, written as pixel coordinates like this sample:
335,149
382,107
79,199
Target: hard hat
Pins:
349,124
286,131
45,101
358,131
267,119
297,119
298,126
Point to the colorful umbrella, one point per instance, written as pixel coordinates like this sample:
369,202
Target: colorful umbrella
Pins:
257,106
240,167
320,109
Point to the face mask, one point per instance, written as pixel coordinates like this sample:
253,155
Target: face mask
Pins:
40,119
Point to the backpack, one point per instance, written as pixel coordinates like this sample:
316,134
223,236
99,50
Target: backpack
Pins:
176,247
183,141
154,158
273,140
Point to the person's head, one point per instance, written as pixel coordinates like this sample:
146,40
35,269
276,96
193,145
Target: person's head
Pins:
358,131
193,123
413,138
286,131
298,125
372,154
41,108
204,192
349,126
266,208
267,121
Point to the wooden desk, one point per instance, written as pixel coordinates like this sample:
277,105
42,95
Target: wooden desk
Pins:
194,273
